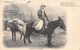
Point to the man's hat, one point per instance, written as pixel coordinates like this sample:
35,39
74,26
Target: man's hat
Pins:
42,6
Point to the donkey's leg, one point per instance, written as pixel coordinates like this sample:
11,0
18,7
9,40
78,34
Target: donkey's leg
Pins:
25,37
49,40
29,37
22,33
15,36
21,36
12,36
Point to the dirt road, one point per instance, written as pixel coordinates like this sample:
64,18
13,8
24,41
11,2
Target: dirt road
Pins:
58,40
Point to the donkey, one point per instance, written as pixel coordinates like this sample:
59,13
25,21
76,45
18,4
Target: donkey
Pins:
52,25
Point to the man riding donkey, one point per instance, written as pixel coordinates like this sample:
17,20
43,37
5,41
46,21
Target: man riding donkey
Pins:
42,18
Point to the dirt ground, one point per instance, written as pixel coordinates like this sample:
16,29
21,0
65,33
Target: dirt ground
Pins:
58,40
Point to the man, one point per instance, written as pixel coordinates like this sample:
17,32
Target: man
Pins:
42,15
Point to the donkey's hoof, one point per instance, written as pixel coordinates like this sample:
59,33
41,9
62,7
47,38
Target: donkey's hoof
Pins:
49,45
30,42
24,42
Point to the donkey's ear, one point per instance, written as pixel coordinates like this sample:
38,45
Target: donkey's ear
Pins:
59,17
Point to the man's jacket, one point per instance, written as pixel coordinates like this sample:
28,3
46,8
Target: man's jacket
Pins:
40,14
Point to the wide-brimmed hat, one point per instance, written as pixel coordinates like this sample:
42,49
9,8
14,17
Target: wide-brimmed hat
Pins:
42,6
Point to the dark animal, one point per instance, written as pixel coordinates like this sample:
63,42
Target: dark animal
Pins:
52,25
14,29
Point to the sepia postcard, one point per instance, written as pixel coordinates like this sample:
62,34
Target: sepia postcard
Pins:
39,24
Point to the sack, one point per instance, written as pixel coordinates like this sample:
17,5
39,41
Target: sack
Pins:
20,22
20,28
39,24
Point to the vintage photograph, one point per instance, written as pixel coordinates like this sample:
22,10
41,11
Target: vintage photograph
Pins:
29,26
